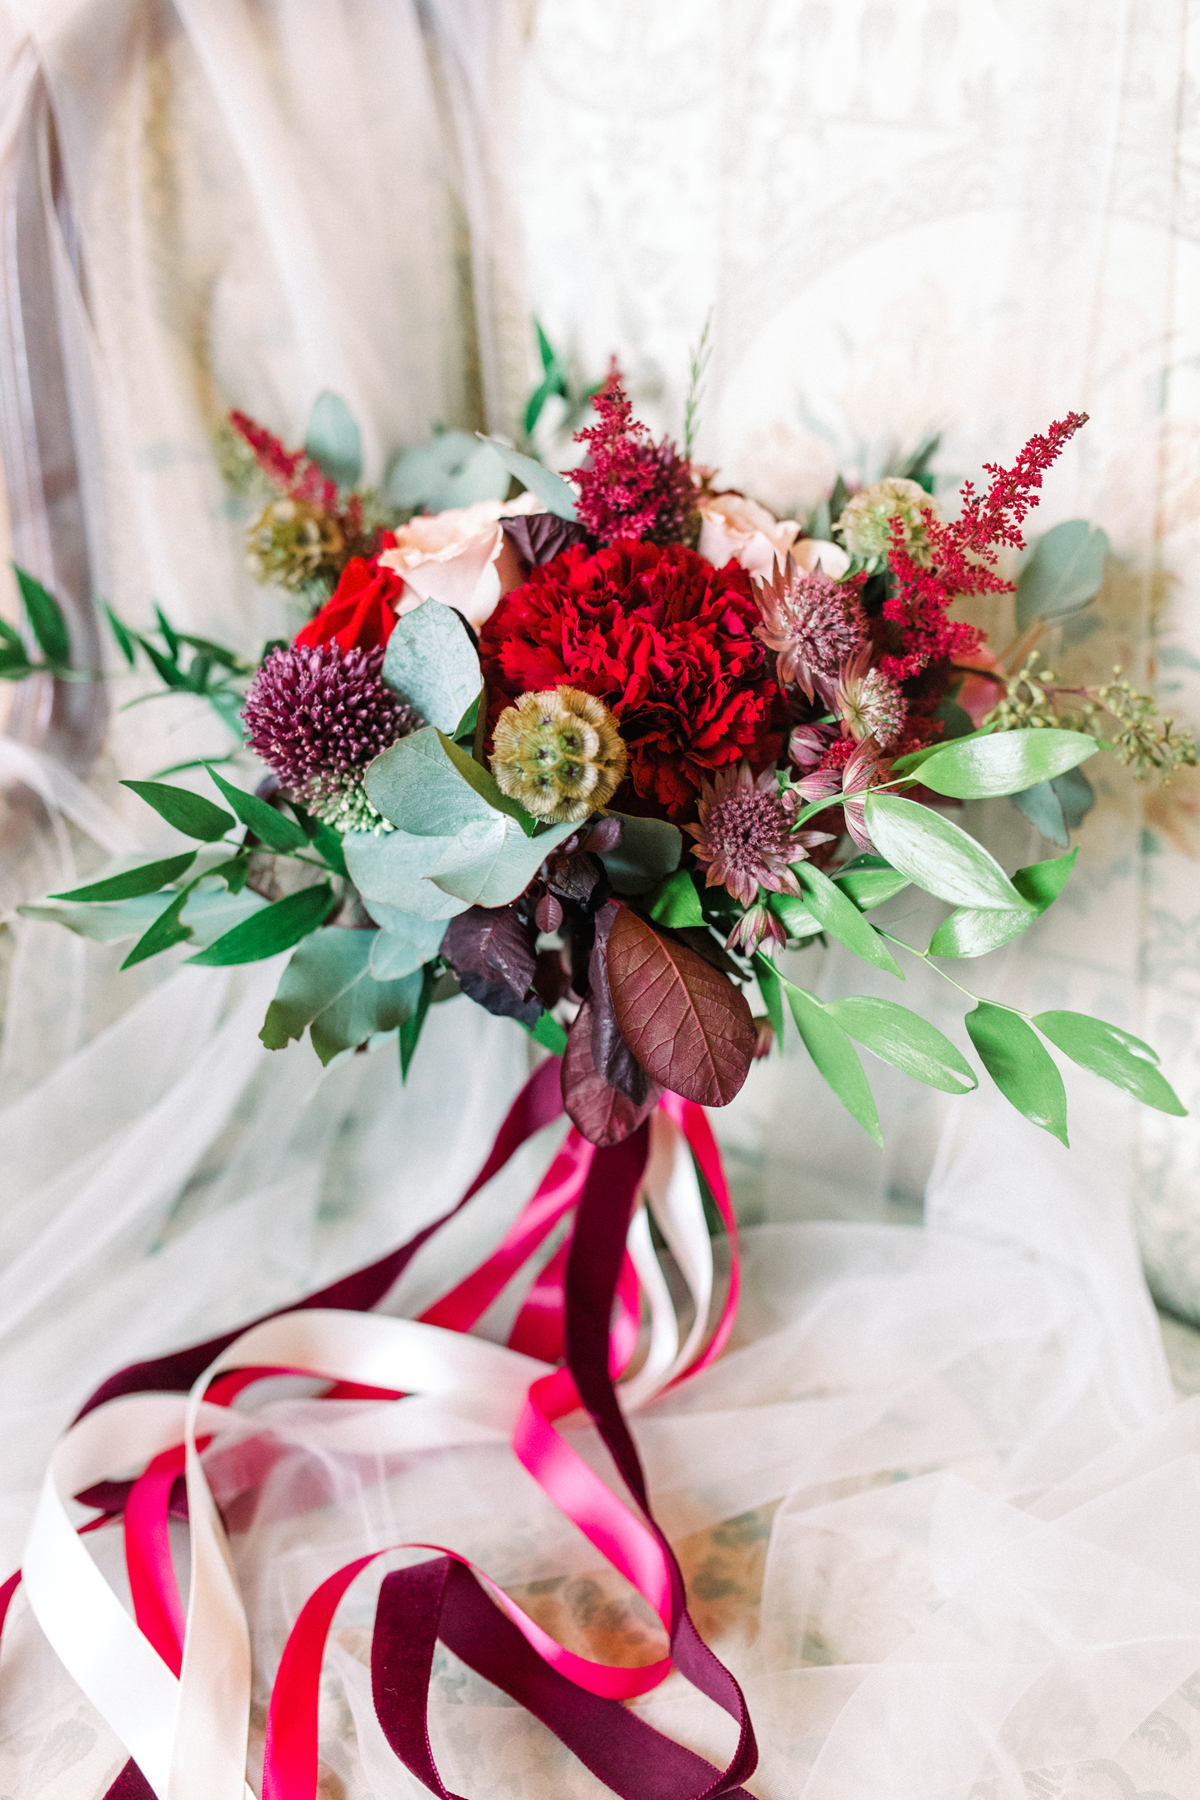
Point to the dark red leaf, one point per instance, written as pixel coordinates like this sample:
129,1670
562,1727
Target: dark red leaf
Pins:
686,1024
549,913
605,835
593,1107
574,877
552,979
540,537
611,1055
492,953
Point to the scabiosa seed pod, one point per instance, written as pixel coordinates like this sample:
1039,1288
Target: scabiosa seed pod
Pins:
318,716
292,543
559,753
812,623
865,526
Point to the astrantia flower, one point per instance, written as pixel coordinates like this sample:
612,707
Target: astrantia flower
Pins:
868,703
318,716
559,753
860,772
744,836
812,623
631,486
866,522
666,641
757,929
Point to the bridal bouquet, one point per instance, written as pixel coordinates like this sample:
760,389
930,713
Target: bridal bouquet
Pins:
596,754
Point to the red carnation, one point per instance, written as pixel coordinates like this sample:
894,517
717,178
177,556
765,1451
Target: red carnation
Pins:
666,641
360,614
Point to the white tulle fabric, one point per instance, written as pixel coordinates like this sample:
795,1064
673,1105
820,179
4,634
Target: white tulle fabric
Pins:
936,1505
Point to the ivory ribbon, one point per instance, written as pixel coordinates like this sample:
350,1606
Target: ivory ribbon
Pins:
177,1691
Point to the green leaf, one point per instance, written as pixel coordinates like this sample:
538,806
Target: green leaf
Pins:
404,946
1064,572
936,855
431,662
835,1057
423,790
410,1028
187,812
913,759
390,872
277,927
167,631
488,788
454,470
329,989
772,993
11,638
839,916
547,1032
906,1040
1021,1067
1113,1054
556,495
227,704
103,923
45,617
675,902
649,851
870,881
974,932
270,827
1057,807
798,921
15,666
125,643
333,439
1005,763
144,880
489,865
166,930
328,844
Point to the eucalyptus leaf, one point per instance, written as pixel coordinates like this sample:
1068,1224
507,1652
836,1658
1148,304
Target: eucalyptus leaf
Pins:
675,902
1007,762
1064,572
455,469
277,927
187,812
490,865
1114,1055
418,786
1057,807
906,1040
556,495
839,916
333,439
328,988
835,1056
46,619
132,882
390,873
937,855
1021,1067
431,662
648,852
975,932
270,827
404,946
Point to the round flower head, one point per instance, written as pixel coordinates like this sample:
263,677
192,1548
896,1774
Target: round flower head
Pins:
866,522
745,835
559,753
811,622
868,703
292,543
318,716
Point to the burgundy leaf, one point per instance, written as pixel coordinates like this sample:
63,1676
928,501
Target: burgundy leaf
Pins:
686,1024
539,537
597,1110
552,979
605,835
573,877
700,939
549,913
492,953
611,1055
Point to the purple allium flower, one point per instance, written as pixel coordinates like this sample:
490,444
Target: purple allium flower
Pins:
318,716
745,835
811,622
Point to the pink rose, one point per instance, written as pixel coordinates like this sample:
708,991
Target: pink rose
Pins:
809,553
733,527
458,557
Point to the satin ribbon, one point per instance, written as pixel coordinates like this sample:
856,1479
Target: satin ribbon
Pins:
186,1722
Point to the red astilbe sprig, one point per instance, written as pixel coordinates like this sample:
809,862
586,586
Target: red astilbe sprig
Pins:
293,472
963,556
630,486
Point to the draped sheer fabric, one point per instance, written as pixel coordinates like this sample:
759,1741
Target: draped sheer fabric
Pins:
936,1506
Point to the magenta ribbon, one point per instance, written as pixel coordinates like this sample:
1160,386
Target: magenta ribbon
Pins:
584,1303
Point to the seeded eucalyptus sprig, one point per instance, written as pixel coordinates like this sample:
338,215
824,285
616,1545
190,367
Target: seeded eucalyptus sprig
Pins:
1145,742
